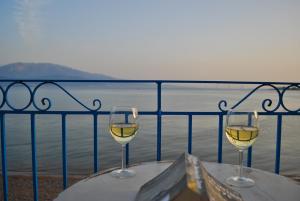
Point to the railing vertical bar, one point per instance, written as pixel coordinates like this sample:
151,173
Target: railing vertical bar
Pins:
64,151
158,154
190,133
95,143
3,155
33,157
127,154
220,138
249,156
278,143
127,145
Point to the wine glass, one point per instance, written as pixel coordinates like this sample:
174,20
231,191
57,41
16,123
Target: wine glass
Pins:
241,131
123,126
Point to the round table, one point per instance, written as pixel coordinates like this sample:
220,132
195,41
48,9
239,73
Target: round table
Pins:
268,186
103,186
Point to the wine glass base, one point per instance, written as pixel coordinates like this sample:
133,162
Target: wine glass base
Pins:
122,173
240,181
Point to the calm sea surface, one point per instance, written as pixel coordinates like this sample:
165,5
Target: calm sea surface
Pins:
143,147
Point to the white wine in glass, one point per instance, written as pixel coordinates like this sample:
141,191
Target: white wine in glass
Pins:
123,132
241,131
242,136
123,126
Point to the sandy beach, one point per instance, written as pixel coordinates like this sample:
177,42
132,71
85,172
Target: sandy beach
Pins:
20,186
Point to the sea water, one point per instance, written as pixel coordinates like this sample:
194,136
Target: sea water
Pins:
79,129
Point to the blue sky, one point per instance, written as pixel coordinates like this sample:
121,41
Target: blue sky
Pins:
166,39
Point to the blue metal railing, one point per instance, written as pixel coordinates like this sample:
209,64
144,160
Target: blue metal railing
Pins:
278,109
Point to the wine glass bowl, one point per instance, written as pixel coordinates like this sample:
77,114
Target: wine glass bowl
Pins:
123,127
241,131
123,132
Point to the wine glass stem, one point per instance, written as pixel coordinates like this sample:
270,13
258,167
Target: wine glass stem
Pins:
123,157
241,162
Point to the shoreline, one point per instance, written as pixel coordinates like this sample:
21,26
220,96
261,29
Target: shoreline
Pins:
20,185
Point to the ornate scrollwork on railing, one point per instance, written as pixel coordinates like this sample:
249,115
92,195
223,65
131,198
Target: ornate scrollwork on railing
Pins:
267,104
6,99
2,96
290,87
45,101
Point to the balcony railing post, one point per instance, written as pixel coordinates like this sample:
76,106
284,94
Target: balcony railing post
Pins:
64,151
3,155
249,155
158,154
278,144
33,157
220,138
127,145
95,117
190,131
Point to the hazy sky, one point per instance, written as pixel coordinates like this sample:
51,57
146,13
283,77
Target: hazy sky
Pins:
165,39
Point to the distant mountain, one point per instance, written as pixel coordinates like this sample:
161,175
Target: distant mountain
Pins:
46,71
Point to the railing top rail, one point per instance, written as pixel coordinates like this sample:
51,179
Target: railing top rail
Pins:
153,81
76,112
267,104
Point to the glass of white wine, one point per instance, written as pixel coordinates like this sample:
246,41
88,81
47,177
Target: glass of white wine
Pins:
241,131
123,126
